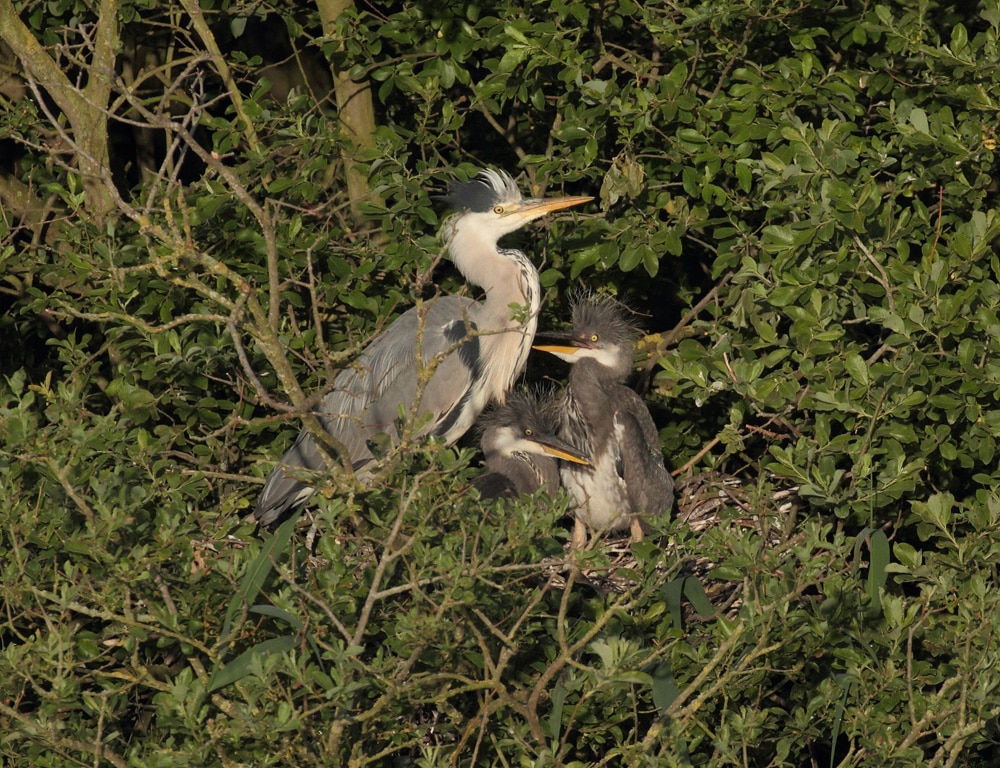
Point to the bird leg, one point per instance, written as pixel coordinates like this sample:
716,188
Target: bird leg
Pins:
579,534
637,529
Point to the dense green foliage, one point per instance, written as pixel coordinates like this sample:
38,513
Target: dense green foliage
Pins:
800,199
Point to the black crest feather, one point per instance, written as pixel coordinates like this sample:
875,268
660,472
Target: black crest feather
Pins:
481,194
606,315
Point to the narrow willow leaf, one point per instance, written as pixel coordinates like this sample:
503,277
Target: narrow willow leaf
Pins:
242,665
694,591
254,578
665,691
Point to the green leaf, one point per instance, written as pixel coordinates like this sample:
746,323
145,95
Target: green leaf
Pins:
673,596
557,697
244,664
918,119
515,34
907,555
878,563
857,368
694,591
255,576
959,39
846,683
278,613
664,689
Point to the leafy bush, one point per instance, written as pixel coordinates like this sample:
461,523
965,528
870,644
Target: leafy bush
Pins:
799,201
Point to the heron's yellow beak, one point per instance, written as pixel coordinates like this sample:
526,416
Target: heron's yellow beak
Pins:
531,209
565,343
556,349
553,446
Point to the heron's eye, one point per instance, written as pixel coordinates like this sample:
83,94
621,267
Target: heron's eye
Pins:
529,432
593,338
498,210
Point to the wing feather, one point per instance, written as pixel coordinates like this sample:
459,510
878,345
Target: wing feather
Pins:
364,403
649,485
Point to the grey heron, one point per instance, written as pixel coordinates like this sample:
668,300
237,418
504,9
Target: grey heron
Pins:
440,363
521,449
608,422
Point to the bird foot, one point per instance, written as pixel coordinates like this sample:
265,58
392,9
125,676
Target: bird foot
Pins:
636,529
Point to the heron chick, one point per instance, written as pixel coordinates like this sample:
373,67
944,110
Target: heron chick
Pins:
608,422
470,352
521,448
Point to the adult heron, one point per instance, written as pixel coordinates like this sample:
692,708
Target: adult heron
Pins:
439,363
521,449
609,423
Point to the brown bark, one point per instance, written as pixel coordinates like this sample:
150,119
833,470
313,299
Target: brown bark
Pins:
356,113
84,111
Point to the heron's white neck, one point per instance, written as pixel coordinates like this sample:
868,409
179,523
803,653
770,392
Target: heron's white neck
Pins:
508,278
475,253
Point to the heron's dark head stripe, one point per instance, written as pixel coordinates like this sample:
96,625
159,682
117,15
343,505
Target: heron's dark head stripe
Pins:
475,195
535,410
604,316
481,194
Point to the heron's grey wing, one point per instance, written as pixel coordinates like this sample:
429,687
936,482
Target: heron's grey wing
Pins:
628,401
365,399
283,491
445,335
363,404
649,485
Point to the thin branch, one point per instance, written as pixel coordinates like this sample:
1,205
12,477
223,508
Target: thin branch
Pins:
565,657
45,736
670,338
697,457
193,10
884,281
389,555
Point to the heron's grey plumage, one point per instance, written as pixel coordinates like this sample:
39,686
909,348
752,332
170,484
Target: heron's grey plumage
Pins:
470,352
520,447
609,422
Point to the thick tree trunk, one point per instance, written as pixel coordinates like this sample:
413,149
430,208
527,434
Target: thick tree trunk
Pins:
355,110
85,112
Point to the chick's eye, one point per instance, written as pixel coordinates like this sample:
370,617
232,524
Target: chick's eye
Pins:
529,432
498,210
593,338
